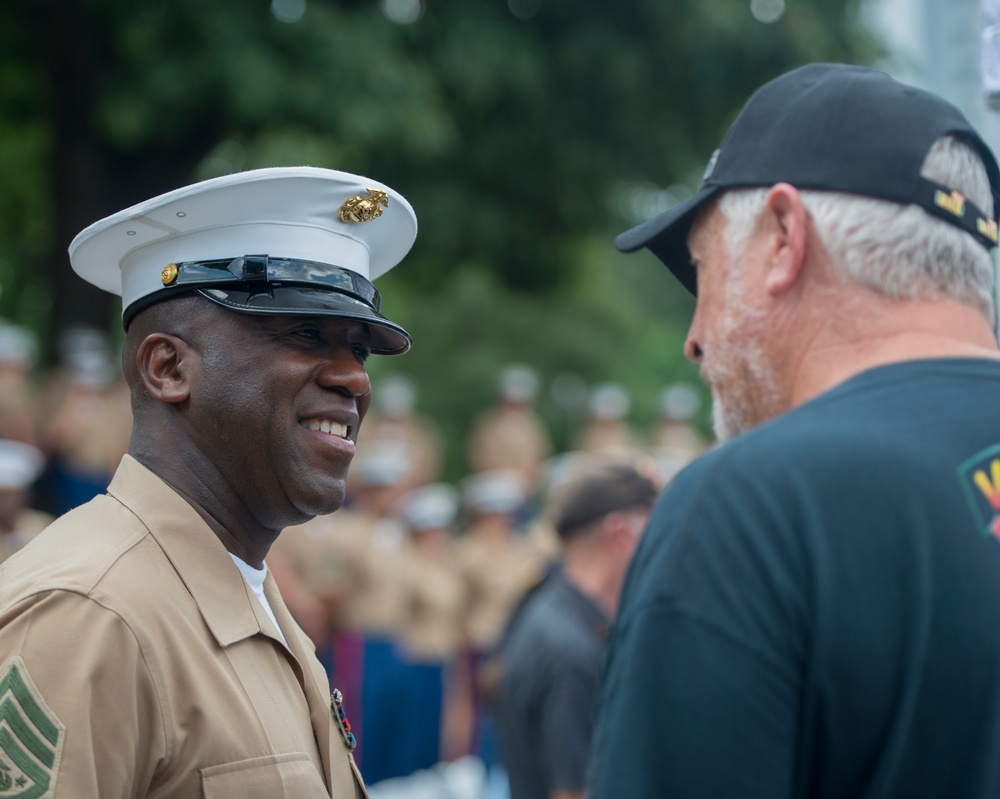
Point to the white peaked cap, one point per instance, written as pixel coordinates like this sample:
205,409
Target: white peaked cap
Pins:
288,213
494,491
431,507
609,401
382,463
20,464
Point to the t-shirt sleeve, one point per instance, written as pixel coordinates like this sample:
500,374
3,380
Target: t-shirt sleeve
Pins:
78,709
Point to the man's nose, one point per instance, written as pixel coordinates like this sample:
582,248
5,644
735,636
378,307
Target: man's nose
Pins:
692,349
692,344
342,371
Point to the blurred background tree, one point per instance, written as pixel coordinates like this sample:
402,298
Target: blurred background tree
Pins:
526,134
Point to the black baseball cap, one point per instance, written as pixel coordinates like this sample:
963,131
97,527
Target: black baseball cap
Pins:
829,127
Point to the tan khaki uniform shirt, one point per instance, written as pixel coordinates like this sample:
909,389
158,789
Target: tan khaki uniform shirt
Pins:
134,662
377,553
496,574
509,438
435,606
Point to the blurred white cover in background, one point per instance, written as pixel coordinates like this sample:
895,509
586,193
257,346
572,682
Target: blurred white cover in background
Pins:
989,57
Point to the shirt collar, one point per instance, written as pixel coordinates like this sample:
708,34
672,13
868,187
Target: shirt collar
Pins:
590,612
196,553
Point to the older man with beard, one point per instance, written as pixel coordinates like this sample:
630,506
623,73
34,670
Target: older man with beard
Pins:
813,610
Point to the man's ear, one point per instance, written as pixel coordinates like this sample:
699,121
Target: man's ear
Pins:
164,364
788,222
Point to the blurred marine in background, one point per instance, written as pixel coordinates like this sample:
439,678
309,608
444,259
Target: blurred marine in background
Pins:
20,466
813,609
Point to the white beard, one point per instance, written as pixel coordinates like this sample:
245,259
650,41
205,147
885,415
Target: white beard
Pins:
744,383
721,420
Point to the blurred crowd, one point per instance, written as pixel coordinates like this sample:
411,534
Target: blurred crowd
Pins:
407,591
62,432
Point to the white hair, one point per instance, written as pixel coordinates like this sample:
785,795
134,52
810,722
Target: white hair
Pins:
899,251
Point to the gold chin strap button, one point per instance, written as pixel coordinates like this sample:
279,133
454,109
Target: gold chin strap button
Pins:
169,274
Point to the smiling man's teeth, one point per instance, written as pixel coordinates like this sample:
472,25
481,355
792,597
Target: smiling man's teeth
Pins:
326,426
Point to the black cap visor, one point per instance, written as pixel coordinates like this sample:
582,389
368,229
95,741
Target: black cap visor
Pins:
388,338
259,284
666,236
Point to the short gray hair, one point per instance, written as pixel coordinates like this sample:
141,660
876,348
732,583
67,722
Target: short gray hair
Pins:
899,251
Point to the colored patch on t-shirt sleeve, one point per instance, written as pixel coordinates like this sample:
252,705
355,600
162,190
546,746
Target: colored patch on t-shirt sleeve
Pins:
980,478
31,737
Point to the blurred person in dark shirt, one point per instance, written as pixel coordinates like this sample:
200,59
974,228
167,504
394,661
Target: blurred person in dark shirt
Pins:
553,649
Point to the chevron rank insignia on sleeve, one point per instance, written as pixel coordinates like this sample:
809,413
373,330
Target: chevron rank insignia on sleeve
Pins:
31,737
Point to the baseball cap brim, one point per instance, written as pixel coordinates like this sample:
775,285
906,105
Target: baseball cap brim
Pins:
666,236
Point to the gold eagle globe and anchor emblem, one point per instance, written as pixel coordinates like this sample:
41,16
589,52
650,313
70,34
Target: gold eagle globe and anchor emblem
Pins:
364,209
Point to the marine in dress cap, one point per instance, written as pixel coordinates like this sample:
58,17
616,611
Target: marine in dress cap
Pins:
299,241
20,464
494,491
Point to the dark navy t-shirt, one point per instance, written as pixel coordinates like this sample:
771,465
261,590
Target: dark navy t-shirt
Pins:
814,610
552,657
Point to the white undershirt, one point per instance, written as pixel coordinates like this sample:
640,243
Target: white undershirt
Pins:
255,579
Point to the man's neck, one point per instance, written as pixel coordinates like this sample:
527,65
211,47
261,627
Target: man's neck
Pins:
882,331
220,509
591,579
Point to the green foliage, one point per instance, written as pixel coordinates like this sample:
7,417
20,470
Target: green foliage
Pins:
522,140
618,320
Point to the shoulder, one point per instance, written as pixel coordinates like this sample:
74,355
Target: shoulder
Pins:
749,516
784,468
75,552
549,632
761,513
94,587
101,560
870,426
